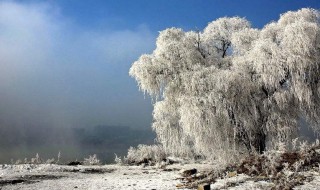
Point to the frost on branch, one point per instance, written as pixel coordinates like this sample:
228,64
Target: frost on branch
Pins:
231,88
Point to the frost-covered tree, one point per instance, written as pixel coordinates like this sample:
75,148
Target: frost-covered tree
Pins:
231,87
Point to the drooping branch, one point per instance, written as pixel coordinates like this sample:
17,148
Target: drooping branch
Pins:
258,91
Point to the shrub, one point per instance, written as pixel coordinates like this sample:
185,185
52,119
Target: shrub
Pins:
92,160
144,154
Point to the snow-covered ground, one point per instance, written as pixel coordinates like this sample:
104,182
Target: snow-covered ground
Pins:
244,182
59,177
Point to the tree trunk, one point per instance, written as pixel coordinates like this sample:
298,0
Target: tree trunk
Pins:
259,143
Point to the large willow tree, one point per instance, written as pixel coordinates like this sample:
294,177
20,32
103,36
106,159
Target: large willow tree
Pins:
230,87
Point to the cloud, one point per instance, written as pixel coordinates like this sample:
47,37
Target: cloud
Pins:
56,73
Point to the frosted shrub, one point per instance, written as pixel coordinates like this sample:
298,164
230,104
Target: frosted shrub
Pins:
36,160
148,154
58,157
118,160
273,159
50,161
18,162
294,143
92,160
304,146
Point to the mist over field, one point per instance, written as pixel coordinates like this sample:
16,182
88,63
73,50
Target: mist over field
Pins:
57,77
72,143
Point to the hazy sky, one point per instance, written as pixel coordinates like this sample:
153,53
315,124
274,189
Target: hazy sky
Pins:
65,63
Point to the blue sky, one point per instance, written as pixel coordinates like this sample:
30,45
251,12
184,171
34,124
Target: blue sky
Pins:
65,62
188,14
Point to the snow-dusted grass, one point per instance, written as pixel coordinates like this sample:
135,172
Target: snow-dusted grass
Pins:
298,168
245,182
275,169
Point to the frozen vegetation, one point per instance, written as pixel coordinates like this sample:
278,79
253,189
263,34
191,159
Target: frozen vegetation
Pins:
231,89
232,92
228,98
279,169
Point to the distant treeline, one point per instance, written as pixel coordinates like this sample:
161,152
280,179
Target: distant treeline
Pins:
112,136
102,135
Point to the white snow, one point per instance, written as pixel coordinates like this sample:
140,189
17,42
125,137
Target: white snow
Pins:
127,177
123,177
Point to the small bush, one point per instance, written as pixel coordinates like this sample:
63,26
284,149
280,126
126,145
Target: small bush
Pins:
144,154
92,160
118,160
36,160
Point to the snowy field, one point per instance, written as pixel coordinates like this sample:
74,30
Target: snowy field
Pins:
59,177
45,176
